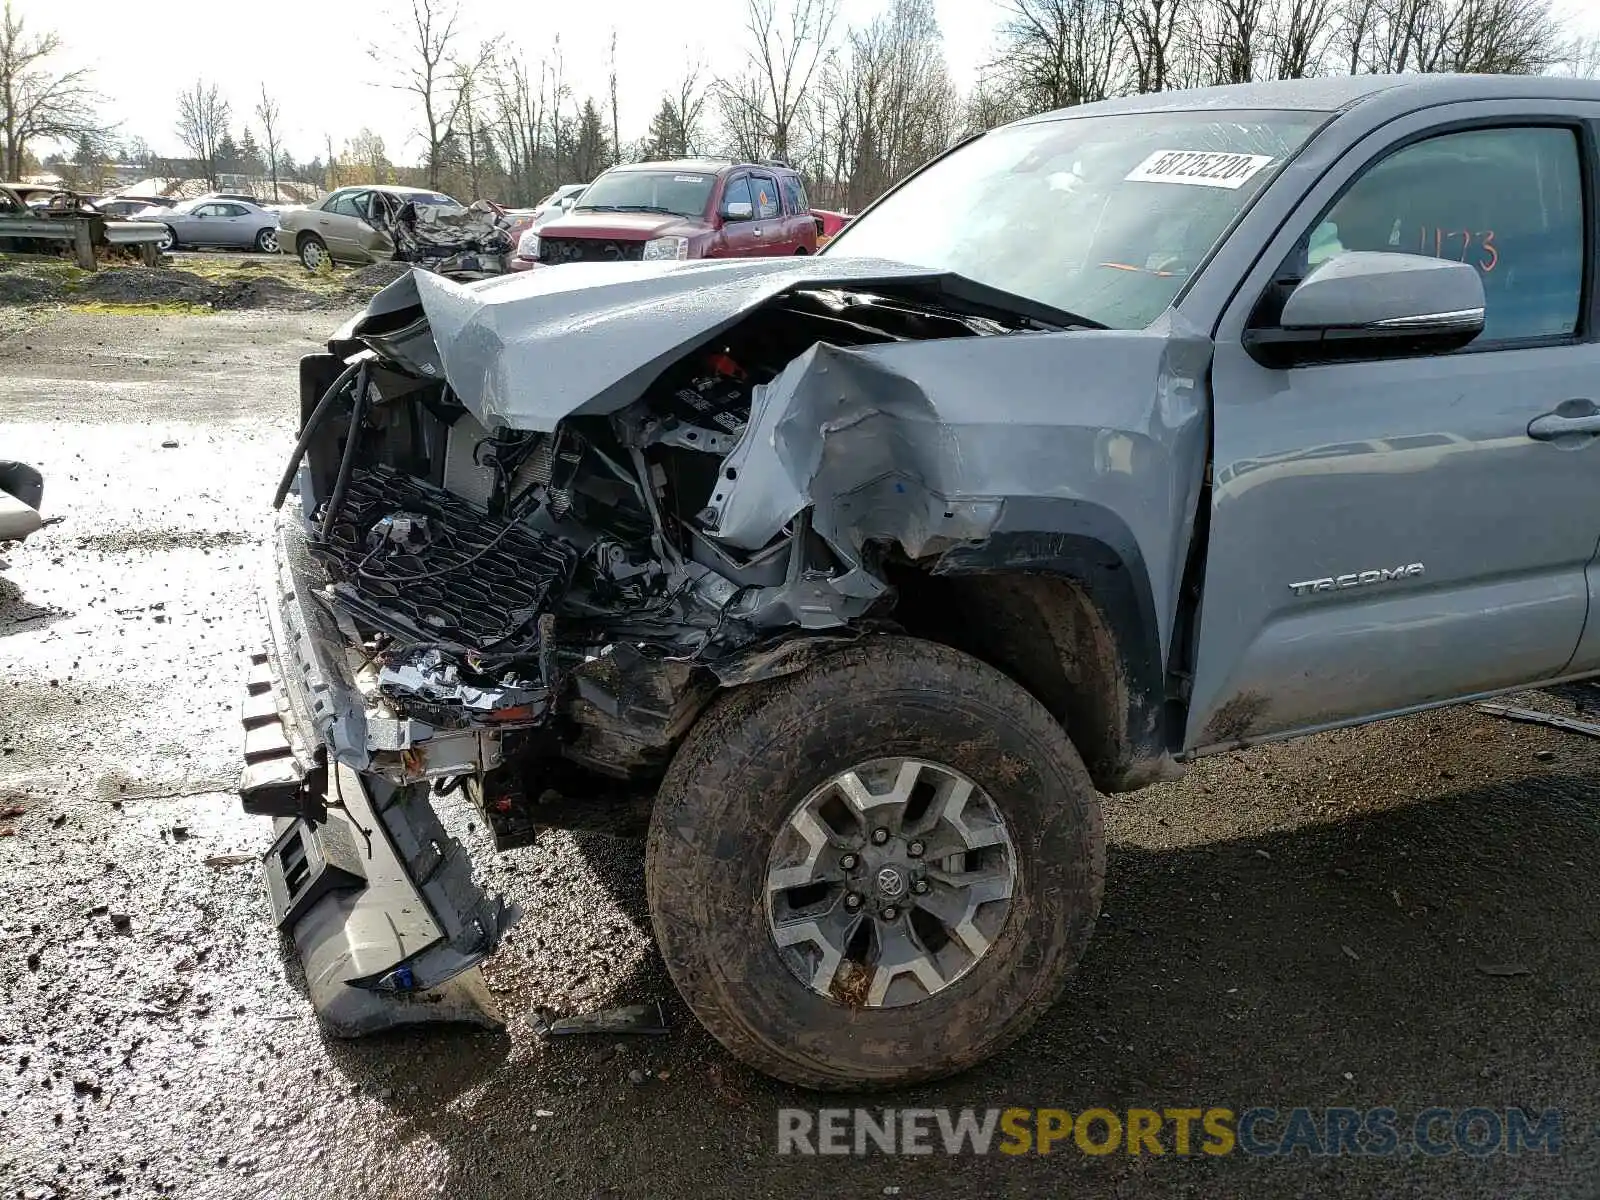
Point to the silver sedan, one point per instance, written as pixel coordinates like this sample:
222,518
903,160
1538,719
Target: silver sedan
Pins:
231,223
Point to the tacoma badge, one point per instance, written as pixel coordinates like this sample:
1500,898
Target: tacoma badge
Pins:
1339,583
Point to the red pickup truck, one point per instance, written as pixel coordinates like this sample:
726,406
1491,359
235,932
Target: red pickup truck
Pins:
691,208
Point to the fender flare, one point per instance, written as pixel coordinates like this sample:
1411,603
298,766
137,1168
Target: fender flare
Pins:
1093,548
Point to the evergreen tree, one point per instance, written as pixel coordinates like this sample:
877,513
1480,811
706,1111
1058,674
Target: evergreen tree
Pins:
591,148
227,154
251,160
666,138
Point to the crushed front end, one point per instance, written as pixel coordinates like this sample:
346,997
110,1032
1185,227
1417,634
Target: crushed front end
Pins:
525,583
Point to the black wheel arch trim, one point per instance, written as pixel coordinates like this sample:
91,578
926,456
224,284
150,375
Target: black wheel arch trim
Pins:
1092,547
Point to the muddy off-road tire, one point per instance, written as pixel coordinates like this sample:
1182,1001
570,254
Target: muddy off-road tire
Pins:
815,769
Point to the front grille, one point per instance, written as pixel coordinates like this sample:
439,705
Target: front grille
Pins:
458,579
571,250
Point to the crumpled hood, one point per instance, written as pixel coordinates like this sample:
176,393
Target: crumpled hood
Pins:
527,350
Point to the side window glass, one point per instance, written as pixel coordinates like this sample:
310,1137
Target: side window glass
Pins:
766,192
351,204
794,195
738,192
1507,201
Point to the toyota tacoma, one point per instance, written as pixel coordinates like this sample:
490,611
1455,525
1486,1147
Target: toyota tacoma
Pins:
1110,439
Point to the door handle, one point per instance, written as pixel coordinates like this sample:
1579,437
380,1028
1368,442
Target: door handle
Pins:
757,231
1566,424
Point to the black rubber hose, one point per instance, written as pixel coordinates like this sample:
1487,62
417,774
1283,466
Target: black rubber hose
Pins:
341,485
314,420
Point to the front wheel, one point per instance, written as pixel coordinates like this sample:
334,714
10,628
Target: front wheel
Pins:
267,241
313,252
877,871
168,239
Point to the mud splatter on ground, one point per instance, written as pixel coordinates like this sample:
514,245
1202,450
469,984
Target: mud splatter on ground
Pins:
1301,924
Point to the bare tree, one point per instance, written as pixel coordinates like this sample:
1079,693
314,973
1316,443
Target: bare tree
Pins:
1149,27
741,104
521,115
1053,54
895,103
271,130
990,103
1298,40
690,101
429,69
1514,37
203,116
616,132
760,106
37,102
1502,36
1581,58
1233,39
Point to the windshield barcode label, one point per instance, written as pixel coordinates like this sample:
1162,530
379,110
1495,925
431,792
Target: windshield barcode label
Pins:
1206,168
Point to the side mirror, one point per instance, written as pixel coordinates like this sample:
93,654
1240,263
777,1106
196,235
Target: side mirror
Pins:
1366,304
738,210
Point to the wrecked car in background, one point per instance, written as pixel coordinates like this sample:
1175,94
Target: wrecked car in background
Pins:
861,577
375,224
38,220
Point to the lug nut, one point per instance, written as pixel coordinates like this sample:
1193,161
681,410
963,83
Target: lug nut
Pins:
890,913
880,836
848,862
920,887
915,849
852,902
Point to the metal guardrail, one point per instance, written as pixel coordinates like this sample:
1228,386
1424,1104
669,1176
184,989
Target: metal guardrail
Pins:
80,230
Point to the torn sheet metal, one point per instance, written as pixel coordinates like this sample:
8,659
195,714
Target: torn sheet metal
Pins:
528,349
922,444
469,242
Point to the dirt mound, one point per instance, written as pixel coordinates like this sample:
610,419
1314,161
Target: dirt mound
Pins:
377,276
26,289
265,292
148,285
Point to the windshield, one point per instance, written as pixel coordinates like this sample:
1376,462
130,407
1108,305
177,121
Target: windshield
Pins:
1103,217
682,192
184,206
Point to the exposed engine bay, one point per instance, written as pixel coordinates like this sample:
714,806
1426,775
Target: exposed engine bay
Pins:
566,591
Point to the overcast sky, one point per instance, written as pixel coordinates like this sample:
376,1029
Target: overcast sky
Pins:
312,54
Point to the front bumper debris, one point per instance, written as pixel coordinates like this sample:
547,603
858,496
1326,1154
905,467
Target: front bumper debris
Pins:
378,898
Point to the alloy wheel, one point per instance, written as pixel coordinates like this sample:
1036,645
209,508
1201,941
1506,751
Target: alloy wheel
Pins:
889,882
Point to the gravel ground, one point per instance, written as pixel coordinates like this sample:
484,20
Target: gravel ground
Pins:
1306,924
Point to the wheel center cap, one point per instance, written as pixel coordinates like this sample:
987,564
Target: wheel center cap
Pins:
891,882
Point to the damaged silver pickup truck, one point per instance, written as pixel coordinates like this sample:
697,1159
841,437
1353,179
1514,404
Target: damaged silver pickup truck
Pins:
1206,418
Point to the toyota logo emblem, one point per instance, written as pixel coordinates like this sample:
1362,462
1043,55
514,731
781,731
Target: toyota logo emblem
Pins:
890,882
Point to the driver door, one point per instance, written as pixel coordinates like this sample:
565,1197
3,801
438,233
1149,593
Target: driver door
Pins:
739,239
1386,534
342,223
